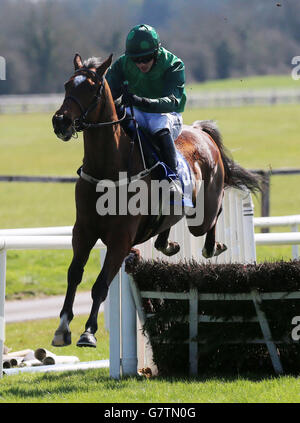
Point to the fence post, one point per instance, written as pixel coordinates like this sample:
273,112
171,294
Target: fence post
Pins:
114,328
128,327
249,238
265,328
2,305
193,332
295,250
145,357
106,302
265,198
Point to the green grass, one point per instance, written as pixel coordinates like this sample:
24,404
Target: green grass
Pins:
43,273
258,137
247,83
95,386
29,146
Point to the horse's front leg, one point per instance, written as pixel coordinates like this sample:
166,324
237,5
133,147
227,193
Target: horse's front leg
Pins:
113,261
81,250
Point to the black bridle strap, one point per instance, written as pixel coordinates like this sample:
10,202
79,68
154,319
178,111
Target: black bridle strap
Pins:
87,125
71,97
80,124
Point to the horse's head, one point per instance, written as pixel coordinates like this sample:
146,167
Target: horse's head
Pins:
82,94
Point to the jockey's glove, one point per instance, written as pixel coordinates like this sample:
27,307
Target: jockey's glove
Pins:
134,100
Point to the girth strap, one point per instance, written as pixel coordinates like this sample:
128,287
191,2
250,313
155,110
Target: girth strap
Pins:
120,182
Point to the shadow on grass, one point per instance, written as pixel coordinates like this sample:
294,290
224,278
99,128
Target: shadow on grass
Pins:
208,376
102,377
19,392
60,383
226,376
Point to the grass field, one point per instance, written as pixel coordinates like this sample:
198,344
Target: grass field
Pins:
258,137
95,386
248,83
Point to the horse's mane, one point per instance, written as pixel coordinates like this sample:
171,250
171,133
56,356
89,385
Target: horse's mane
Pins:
92,62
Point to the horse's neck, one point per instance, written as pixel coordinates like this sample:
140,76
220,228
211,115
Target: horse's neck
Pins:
105,147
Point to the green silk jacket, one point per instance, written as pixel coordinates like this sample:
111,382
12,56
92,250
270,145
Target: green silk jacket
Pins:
164,83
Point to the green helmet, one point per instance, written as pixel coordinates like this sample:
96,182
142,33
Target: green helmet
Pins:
142,40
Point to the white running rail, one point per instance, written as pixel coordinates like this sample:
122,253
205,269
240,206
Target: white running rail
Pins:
279,238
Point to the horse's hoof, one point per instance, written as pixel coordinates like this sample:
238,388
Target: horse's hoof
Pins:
220,248
171,249
87,339
61,339
206,254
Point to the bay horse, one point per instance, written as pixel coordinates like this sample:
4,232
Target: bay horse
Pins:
88,105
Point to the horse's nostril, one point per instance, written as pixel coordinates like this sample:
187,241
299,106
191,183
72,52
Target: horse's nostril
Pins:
57,119
61,121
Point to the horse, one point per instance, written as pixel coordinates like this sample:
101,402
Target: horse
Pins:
108,150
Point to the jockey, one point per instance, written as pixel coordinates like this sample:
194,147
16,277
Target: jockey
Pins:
155,79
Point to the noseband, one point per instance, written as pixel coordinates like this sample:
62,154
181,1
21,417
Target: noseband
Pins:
80,124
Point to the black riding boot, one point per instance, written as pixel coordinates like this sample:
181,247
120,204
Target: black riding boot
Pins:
167,147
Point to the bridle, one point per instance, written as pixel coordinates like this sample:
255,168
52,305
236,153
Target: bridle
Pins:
80,124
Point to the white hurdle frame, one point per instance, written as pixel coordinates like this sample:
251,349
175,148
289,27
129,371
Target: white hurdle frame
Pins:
235,228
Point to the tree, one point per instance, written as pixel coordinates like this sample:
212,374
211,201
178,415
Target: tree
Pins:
223,60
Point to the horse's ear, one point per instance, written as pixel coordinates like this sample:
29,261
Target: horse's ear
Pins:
104,66
77,61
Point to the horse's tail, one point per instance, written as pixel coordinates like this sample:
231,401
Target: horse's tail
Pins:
235,175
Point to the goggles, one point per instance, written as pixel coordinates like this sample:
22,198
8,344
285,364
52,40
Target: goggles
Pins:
143,59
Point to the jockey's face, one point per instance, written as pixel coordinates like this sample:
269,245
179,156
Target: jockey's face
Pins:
145,67
144,63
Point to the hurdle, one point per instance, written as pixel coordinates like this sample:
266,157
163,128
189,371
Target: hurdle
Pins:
132,349
236,229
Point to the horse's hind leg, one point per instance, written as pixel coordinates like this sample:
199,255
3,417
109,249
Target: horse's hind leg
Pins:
211,213
163,244
211,247
81,251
